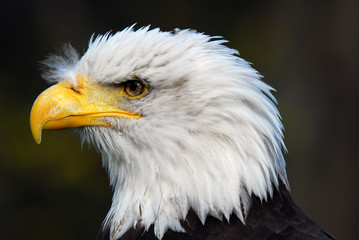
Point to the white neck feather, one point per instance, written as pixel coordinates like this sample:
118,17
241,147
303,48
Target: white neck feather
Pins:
158,174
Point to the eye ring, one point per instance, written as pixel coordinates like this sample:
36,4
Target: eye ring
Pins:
134,88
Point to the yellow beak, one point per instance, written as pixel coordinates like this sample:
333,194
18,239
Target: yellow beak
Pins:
64,106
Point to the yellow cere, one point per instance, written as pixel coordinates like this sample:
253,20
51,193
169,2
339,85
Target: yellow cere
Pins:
101,95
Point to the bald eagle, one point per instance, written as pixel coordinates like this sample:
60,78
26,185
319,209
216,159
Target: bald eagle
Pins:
190,136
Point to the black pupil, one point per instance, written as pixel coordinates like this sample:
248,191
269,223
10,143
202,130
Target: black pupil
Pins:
133,86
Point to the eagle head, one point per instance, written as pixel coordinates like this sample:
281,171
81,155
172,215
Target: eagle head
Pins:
180,120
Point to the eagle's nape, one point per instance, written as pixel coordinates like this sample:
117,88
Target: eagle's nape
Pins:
189,134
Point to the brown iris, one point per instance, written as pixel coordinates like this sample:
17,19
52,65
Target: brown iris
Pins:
134,88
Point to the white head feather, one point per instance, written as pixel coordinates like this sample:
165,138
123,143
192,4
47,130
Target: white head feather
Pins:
209,137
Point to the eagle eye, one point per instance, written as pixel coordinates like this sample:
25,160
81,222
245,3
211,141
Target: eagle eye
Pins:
134,88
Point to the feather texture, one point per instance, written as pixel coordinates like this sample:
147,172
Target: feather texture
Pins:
210,135
277,218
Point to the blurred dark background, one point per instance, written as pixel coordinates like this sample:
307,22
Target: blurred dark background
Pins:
307,50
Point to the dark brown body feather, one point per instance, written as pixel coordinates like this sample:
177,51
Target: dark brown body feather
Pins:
278,218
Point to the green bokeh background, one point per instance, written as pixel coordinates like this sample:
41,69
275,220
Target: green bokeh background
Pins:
307,50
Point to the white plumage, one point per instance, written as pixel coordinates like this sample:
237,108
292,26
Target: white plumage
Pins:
210,134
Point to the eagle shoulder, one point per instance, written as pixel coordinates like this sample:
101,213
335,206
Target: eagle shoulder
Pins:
277,218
